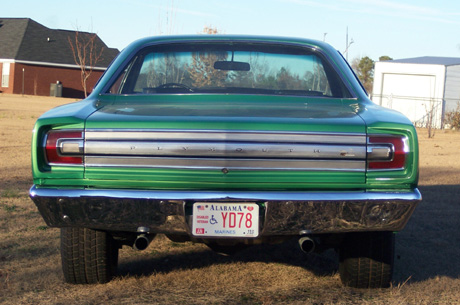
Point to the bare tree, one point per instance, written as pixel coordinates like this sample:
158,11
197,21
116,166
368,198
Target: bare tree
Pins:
431,112
201,69
86,54
167,19
364,69
210,30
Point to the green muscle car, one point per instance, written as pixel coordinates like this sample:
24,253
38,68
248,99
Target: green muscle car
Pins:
229,141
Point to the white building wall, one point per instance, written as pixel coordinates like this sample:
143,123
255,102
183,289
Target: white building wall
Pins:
412,89
452,88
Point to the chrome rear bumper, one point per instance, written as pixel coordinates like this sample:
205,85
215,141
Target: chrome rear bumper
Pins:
283,213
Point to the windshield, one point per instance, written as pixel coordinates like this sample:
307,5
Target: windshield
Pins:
244,68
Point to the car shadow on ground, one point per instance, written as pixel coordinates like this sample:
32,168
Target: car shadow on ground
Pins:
287,253
429,246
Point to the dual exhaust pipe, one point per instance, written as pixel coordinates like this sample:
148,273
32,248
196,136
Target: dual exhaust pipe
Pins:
142,241
307,244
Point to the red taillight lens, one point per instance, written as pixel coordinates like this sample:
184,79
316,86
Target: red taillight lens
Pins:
397,152
56,140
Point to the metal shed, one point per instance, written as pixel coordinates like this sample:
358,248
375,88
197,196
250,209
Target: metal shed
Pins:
422,88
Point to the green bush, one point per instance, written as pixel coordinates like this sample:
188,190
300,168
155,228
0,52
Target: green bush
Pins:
453,118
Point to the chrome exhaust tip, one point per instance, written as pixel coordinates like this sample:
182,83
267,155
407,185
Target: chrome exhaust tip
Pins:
307,244
142,242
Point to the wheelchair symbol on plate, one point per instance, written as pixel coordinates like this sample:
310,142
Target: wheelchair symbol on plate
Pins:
212,221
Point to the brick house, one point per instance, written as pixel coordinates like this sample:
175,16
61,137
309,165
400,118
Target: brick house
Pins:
34,58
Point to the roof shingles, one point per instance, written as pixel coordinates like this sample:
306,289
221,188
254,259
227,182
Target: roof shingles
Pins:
24,39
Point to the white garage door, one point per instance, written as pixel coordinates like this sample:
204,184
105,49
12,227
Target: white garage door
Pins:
412,95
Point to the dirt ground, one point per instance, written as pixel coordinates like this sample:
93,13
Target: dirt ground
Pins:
427,268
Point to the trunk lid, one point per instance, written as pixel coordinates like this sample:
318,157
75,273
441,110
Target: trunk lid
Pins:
225,142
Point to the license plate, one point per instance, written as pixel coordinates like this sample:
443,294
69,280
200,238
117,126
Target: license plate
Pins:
225,219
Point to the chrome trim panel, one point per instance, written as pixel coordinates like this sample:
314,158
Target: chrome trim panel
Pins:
225,135
70,146
286,213
380,152
230,164
230,149
222,149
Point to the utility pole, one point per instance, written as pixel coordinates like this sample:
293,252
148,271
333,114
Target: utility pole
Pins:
347,45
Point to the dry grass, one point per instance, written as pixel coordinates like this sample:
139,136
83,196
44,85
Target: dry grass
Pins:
427,267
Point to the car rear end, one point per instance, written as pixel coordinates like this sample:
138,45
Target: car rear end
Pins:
184,138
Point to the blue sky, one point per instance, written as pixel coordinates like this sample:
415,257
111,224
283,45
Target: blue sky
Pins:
400,29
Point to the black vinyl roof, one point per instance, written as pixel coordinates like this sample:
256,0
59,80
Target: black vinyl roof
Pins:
23,39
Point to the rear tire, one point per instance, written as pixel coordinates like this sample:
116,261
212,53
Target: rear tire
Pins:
366,259
88,256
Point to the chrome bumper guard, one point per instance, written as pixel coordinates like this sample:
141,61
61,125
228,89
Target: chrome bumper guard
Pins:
283,213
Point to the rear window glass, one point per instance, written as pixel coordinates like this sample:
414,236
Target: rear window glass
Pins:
229,68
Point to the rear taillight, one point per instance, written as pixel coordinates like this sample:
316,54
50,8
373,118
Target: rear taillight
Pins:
386,152
64,147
